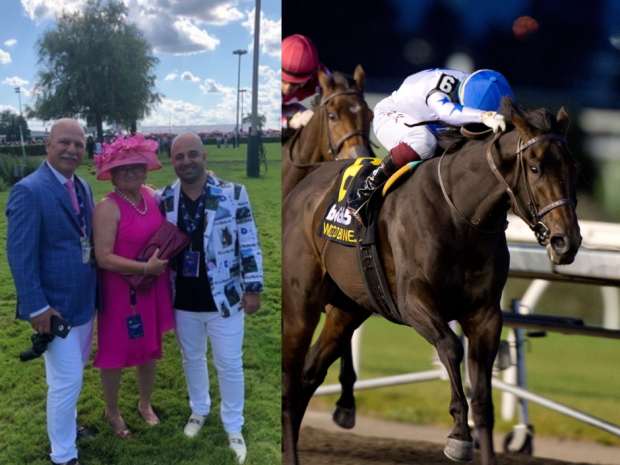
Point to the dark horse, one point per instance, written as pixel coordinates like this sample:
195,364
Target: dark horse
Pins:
338,129
442,244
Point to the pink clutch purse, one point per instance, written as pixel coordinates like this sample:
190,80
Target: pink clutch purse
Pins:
170,241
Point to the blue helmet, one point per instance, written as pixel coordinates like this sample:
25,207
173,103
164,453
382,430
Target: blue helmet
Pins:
484,90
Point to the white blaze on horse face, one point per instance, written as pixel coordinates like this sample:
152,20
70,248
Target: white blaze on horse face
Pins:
355,108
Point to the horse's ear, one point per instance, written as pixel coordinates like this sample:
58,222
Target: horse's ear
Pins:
359,76
516,116
563,120
326,81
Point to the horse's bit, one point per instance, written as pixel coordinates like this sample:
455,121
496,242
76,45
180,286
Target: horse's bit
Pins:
534,219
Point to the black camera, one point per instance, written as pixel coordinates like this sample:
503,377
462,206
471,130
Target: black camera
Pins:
40,341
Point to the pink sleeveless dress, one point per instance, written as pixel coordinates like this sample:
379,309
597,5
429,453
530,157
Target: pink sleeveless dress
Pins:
115,348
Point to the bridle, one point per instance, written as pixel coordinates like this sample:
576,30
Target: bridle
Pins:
334,148
533,215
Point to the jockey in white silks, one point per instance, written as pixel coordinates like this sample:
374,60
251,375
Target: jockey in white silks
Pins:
442,96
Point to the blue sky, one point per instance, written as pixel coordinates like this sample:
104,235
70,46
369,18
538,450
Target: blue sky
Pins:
194,41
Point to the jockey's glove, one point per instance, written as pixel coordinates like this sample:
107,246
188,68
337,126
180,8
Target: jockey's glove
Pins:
493,120
300,119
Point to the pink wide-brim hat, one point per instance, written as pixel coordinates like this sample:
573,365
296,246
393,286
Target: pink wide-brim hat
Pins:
130,150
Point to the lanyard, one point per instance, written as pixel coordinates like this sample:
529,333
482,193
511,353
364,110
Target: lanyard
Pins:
191,223
82,215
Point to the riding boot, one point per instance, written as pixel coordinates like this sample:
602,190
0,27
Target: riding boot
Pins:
381,174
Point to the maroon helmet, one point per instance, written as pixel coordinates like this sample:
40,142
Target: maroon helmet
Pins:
299,59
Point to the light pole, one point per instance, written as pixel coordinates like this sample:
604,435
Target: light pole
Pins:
252,167
240,53
18,91
242,91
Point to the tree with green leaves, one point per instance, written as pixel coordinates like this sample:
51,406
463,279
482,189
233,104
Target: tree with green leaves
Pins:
9,126
260,123
96,66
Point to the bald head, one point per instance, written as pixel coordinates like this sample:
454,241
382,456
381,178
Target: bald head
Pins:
185,140
189,158
65,146
66,123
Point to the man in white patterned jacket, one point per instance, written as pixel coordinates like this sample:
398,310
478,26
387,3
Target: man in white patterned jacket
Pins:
218,279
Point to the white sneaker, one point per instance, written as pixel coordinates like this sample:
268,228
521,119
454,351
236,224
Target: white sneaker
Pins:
194,425
237,444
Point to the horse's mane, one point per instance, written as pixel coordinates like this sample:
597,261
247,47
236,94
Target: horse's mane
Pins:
540,119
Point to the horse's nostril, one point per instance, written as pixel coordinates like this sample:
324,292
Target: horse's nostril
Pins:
559,244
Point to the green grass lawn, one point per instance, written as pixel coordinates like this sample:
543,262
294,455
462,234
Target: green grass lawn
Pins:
23,437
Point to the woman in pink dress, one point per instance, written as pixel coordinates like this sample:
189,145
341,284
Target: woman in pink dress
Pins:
130,324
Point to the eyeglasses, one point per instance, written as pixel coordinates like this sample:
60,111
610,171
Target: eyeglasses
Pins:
133,169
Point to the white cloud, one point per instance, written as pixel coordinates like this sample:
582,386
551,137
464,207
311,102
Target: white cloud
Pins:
5,57
210,86
171,76
223,111
193,34
39,10
270,95
177,113
175,26
10,42
15,81
188,76
270,33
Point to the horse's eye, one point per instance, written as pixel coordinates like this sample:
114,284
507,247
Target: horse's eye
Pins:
332,116
534,169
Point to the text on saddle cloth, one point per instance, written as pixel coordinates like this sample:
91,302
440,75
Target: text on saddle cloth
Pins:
338,225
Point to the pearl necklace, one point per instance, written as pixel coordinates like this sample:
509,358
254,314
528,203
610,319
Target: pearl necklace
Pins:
134,205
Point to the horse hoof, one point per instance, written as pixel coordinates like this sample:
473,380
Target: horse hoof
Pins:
344,417
459,451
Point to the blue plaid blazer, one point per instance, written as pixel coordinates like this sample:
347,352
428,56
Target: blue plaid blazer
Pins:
44,250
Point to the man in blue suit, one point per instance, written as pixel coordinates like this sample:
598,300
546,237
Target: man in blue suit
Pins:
48,247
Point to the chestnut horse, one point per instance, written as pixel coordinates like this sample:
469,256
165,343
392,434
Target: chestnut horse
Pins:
339,129
443,247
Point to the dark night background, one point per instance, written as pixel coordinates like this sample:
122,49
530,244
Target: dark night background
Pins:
572,51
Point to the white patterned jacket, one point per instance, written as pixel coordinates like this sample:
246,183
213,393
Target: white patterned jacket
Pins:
233,257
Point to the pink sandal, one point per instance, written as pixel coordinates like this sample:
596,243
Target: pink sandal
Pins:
149,416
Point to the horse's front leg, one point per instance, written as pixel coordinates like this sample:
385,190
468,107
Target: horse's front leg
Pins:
423,316
483,333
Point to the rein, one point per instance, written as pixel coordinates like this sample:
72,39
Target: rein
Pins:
534,216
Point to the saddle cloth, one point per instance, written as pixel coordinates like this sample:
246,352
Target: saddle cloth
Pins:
338,225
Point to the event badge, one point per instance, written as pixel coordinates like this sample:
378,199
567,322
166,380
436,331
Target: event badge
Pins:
134,326
86,249
191,264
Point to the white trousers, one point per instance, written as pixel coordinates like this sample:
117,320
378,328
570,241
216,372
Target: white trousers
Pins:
226,338
65,360
389,126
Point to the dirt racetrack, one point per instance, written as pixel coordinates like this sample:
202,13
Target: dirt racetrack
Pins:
320,447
